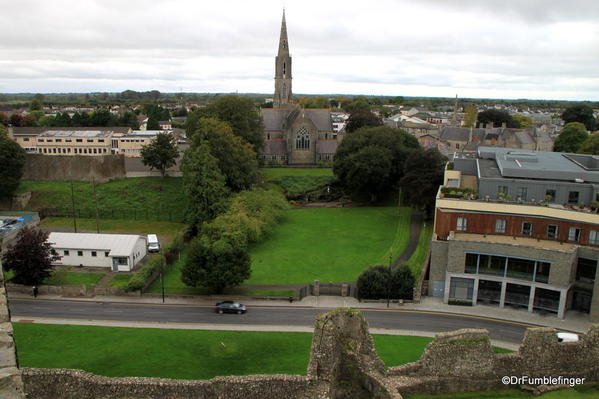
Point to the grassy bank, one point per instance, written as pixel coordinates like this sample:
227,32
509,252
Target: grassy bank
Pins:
331,245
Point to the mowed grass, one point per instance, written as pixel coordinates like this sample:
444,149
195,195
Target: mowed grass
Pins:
330,245
60,277
151,198
182,354
579,392
120,281
416,261
185,354
274,173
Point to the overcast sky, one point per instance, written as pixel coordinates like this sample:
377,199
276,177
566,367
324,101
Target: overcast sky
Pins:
473,48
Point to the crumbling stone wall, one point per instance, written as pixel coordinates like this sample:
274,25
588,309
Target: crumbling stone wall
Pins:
74,167
11,384
463,360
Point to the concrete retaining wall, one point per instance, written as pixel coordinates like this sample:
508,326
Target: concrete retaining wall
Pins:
74,167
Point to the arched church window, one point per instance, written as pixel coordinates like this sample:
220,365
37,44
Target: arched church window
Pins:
284,91
284,68
302,139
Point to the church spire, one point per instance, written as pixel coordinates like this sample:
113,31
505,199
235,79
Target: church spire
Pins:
283,93
283,45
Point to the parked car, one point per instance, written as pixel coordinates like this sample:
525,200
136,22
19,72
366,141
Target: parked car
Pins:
229,307
153,244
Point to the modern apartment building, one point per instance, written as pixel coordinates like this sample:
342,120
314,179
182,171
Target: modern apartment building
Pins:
518,228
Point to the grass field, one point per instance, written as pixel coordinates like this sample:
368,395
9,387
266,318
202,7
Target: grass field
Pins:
331,245
148,198
274,173
580,392
61,277
188,354
416,261
120,281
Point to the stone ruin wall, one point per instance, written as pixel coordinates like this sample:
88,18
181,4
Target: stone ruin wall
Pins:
464,360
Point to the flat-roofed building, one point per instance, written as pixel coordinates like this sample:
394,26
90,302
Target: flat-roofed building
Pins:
516,228
119,252
67,140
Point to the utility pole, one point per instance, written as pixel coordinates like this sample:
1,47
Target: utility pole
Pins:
389,279
96,201
162,276
73,206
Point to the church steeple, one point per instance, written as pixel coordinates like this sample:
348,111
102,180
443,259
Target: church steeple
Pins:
283,92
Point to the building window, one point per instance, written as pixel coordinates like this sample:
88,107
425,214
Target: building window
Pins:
522,193
500,226
462,224
461,288
26,139
302,139
542,273
79,253
40,140
65,252
457,146
502,190
593,237
573,197
59,140
550,195
122,261
90,140
586,270
79,140
574,234
523,269
94,253
100,140
106,254
552,232
471,263
527,229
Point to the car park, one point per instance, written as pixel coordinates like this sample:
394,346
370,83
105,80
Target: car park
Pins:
229,307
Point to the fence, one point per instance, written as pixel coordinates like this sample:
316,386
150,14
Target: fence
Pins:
334,289
149,214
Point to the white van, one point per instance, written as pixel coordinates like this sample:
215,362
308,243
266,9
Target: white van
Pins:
153,244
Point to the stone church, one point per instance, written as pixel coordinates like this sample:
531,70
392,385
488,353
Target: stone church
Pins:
295,135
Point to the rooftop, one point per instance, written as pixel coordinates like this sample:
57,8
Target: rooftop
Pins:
513,163
518,241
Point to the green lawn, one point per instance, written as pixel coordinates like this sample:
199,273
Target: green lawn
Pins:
416,261
331,245
173,283
147,198
273,173
60,277
120,281
188,354
580,392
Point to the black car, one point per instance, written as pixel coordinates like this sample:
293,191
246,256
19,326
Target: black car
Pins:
229,307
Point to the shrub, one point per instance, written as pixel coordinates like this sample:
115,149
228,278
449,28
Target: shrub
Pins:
377,282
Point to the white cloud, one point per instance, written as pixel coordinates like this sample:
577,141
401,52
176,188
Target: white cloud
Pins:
491,48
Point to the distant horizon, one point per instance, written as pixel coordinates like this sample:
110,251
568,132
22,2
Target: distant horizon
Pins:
32,93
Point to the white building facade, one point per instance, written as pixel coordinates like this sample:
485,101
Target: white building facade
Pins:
119,252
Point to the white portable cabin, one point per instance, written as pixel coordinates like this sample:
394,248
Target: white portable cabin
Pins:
119,252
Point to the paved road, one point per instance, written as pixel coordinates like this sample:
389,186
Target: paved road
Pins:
258,315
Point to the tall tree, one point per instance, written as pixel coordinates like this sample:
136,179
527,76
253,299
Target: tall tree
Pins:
379,282
570,138
30,258
581,113
161,153
424,175
523,121
152,124
215,264
393,146
36,105
590,145
236,157
497,117
204,185
362,118
240,113
12,161
470,114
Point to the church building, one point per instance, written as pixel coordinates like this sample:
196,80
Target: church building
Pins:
295,135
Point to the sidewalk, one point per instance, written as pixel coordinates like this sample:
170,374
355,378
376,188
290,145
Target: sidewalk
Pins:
573,322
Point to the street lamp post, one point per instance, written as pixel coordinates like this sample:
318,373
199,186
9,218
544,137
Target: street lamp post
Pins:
162,276
389,280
